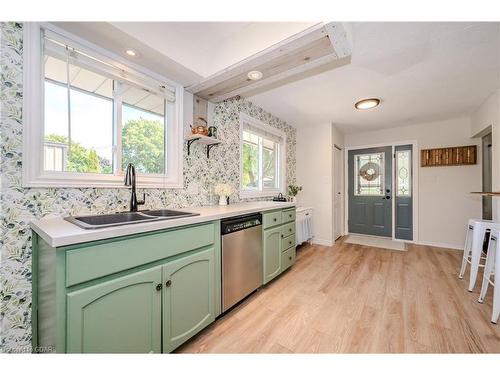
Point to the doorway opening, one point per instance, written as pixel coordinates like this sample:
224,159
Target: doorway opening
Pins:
487,176
338,158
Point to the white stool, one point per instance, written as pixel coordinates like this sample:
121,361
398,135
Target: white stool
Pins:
492,268
473,249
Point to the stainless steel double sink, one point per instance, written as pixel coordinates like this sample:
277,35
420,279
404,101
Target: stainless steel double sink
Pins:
125,218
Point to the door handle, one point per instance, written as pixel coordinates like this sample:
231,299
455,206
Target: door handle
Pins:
168,283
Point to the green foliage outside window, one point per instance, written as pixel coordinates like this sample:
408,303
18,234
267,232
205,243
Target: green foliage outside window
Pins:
250,165
81,159
143,144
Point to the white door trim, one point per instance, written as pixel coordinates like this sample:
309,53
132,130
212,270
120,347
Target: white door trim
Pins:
342,180
415,159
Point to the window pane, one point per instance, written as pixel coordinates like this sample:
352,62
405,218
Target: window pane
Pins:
91,133
56,125
250,138
403,173
369,174
143,132
269,165
83,141
250,178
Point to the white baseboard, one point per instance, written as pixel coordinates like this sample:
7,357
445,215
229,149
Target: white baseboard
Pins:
439,244
322,242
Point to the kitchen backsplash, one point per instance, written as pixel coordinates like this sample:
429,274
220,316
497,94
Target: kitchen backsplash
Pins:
20,205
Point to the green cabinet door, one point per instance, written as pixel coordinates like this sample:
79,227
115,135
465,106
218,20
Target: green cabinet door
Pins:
188,297
272,253
122,315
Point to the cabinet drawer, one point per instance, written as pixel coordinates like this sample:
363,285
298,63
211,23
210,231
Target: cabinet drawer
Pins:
287,258
287,229
271,219
287,242
288,215
96,260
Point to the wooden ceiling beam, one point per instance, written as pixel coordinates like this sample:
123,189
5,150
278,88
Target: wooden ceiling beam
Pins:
318,45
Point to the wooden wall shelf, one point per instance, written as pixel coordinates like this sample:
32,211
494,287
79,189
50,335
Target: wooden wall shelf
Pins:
449,156
209,142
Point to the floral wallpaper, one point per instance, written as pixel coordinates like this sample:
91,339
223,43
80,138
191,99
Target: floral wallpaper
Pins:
19,205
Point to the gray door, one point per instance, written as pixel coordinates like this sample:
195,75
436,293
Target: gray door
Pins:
403,192
370,185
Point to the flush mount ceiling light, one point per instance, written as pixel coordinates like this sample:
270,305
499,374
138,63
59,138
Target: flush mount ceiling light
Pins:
367,103
131,52
254,75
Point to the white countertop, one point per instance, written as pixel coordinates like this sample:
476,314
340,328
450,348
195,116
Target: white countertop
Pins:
59,232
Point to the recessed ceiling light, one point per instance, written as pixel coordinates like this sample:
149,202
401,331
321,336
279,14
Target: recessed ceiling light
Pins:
130,52
367,103
254,75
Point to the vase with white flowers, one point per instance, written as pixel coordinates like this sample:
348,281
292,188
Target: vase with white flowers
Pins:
223,191
293,190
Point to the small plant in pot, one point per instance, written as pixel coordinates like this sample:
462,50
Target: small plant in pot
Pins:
293,190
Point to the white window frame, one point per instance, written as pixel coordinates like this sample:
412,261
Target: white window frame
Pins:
252,193
34,174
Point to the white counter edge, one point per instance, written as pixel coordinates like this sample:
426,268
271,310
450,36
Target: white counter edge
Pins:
58,232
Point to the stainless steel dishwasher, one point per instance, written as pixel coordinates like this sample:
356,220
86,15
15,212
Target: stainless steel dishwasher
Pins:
241,258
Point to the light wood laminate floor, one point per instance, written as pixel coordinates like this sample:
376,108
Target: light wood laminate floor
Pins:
356,299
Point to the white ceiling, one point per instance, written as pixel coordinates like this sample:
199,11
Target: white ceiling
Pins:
421,71
208,47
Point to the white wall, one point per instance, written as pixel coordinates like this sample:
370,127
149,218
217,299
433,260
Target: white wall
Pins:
487,117
314,174
444,202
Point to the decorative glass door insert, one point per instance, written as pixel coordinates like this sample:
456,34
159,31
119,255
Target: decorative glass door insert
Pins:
369,174
403,173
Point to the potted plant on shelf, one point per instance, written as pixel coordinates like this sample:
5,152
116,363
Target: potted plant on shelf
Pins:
223,191
293,190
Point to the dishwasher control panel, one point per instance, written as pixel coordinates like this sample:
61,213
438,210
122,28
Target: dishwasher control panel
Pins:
240,223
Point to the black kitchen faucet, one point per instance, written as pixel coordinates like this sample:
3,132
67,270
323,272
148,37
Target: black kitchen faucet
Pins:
130,181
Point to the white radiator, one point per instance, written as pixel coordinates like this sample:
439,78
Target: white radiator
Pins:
304,224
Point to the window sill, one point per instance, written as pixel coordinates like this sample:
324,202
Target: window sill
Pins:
112,182
259,194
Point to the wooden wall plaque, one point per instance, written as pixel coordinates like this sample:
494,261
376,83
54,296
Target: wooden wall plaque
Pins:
448,156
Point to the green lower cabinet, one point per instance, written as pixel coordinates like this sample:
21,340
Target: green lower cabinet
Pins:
278,242
272,253
188,297
143,293
287,259
118,316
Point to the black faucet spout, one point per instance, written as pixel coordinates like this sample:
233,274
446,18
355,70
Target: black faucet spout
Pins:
130,180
